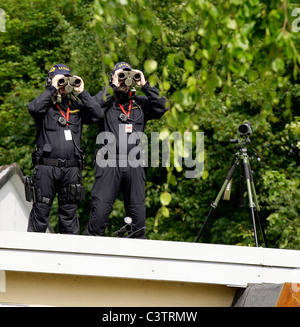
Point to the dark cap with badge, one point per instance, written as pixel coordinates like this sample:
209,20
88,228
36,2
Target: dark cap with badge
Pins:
121,65
60,69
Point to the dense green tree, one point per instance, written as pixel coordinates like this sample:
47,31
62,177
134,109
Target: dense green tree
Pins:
219,64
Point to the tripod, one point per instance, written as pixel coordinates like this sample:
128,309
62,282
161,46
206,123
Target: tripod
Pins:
240,157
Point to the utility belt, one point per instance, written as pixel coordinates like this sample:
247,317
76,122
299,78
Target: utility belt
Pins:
58,162
33,194
137,153
73,193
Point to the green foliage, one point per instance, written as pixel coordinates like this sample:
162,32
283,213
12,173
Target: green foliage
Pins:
219,64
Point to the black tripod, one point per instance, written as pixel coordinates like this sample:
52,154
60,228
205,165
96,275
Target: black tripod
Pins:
240,157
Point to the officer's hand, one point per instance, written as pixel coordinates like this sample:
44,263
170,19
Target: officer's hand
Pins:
142,81
80,88
118,83
55,80
115,79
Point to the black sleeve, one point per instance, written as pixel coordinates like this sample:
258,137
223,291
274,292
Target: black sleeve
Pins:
91,111
156,105
42,103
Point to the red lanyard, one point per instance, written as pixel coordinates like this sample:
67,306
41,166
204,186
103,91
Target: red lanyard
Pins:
129,108
63,114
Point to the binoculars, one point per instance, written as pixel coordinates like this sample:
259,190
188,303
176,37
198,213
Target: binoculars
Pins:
69,83
129,77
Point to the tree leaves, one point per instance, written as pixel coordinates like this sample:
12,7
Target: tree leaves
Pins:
165,198
150,66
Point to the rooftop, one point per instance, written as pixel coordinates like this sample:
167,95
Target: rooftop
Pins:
236,266
93,271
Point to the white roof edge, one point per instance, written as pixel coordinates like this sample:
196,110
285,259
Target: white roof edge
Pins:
147,259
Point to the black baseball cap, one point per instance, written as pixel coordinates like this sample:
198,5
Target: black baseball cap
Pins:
60,69
121,65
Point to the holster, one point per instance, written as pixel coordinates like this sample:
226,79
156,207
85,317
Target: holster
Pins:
33,194
76,193
73,193
82,162
30,194
34,157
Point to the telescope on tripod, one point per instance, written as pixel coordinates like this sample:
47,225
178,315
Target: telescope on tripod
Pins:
241,159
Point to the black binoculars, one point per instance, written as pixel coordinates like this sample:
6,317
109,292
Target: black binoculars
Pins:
129,77
69,83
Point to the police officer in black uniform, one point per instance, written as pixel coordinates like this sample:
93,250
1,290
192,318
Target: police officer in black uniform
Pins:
119,162
59,159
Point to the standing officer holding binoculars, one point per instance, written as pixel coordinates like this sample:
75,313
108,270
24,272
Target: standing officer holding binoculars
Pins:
59,114
125,118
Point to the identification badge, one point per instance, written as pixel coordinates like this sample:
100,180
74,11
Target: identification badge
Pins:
128,128
68,135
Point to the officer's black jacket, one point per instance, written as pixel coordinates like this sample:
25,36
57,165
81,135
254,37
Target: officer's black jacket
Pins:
50,136
144,108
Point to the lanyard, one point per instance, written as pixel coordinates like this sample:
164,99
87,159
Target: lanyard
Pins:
63,114
129,108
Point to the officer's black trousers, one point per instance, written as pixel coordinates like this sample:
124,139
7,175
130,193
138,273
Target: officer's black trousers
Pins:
108,181
51,180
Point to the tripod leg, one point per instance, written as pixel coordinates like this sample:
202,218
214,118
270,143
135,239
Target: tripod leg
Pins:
262,229
242,184
253,188
249,189
257,208
212,209
216,202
